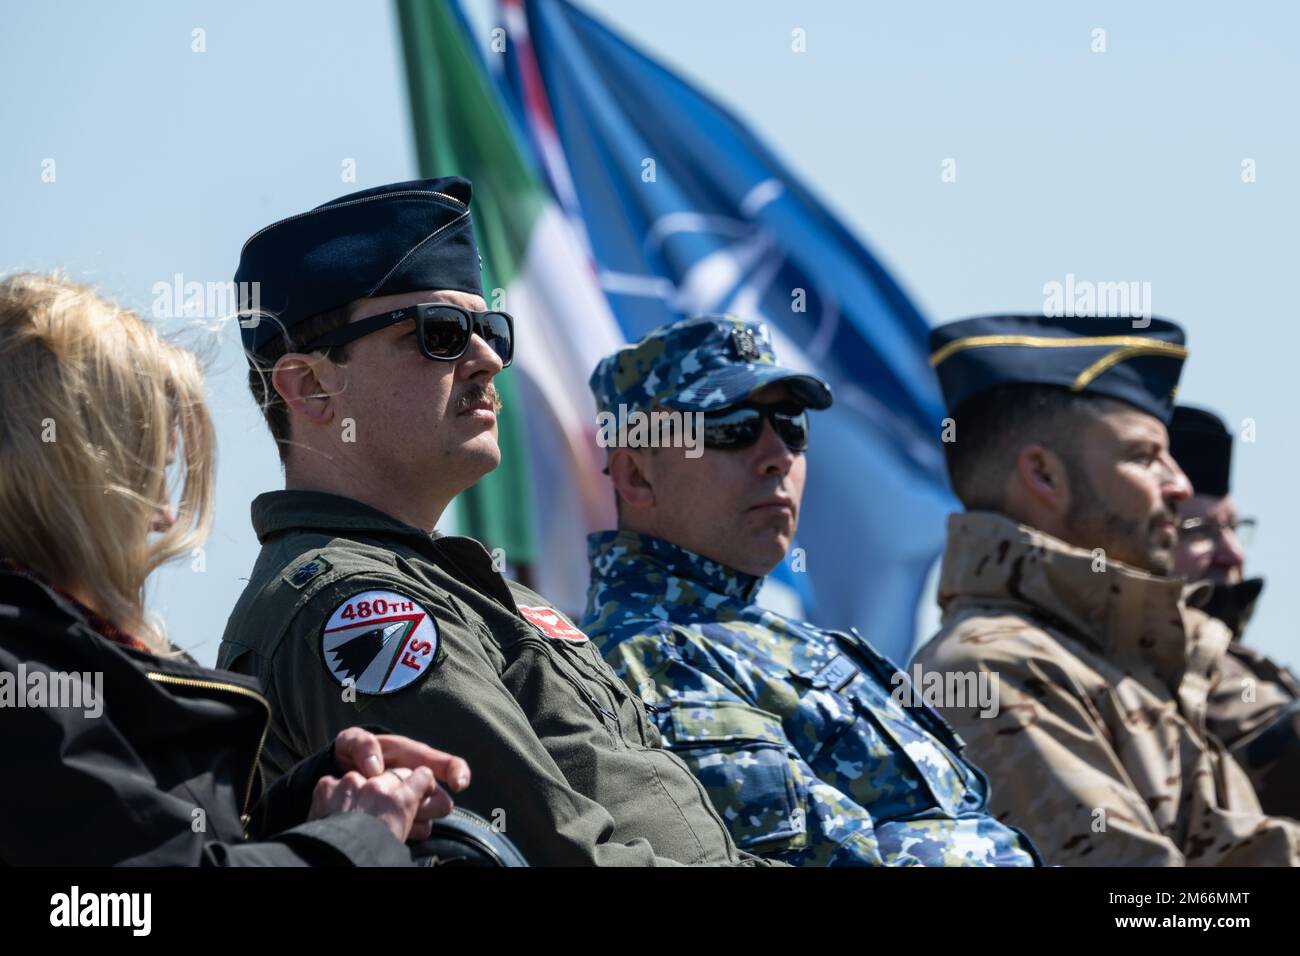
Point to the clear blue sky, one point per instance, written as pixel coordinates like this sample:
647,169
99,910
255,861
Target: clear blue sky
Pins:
1122,165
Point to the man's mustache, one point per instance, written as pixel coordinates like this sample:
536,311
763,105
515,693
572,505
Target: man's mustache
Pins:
1164,515
478,393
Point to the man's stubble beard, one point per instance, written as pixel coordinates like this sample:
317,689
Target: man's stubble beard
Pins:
1091,521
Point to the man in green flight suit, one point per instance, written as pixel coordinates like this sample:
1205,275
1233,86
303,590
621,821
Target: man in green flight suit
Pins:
373,356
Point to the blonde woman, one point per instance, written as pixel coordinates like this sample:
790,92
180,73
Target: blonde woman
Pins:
119,749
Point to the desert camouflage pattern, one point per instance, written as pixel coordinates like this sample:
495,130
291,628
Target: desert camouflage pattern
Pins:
1255,709
1099,749
793,730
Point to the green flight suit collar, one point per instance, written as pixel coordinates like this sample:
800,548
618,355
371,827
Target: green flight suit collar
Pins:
278,511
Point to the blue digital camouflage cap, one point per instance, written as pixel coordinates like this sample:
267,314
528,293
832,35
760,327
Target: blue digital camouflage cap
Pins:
1112,357
402,237
698,364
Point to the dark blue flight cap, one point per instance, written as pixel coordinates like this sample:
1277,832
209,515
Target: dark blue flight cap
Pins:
403,237
1103,356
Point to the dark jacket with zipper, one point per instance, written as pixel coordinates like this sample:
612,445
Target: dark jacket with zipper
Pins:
158,767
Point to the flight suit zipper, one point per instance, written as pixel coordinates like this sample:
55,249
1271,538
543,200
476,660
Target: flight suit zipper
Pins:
577,684
493,582
592,673
243,692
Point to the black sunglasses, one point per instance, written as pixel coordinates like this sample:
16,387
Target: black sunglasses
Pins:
740,426
442,331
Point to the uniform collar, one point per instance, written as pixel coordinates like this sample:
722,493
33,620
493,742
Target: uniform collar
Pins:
1126,613
277,511
620,555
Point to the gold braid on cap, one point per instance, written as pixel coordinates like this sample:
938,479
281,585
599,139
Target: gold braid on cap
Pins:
1129,346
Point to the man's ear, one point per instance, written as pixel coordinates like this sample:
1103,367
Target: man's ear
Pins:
630,480
1041,477
297,378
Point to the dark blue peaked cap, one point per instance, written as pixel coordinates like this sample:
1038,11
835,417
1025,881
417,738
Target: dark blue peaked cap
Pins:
1103,356
402,237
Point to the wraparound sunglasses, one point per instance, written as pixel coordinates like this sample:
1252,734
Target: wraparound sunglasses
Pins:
740,426
442,331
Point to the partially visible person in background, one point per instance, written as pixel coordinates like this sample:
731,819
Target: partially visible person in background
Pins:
118,747
1255,707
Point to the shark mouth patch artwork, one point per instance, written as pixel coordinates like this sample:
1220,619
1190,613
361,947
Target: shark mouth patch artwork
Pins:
379,642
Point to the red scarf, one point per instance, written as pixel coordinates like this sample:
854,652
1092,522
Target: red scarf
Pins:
102,625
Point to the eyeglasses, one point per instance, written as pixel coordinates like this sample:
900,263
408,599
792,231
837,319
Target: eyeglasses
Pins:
1202,530
442,331
741,425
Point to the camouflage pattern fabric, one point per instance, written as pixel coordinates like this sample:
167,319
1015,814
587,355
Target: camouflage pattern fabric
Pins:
1255,709
700,364
1099,748
794,731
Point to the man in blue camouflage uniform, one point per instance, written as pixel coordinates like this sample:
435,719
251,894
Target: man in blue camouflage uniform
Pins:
799,734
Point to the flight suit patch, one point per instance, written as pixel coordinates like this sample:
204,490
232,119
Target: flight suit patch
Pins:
379,642
306,571
548,621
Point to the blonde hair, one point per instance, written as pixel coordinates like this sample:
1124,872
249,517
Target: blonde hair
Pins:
90,397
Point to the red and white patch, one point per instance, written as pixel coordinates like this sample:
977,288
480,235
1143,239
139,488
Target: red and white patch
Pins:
548,621
379,640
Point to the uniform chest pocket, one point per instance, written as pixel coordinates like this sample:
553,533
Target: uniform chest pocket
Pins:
740,755
913,738
596,694
619,698
858,745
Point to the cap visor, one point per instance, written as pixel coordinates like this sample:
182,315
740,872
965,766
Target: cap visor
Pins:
728,386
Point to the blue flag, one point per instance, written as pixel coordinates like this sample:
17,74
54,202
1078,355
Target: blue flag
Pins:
685,211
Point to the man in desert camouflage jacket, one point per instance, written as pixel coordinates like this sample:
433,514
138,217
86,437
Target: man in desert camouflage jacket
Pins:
1056,581
800,735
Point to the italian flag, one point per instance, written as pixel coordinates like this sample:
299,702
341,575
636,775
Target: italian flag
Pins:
549,490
